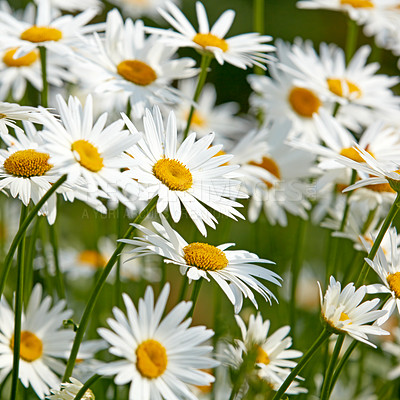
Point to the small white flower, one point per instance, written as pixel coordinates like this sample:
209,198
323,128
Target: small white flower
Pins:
11,112
69,390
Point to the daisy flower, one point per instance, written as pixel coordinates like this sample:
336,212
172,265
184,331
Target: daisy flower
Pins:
73,5
43,341
137,67
245,50
389,272
160,357
57,35
69,390
190,174
140,8
90,151
342,312
233,270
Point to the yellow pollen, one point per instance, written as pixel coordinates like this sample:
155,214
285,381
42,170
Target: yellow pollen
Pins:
204,256
89,156
343,317
37,34
344,88
137,72
208,39
357,3
93,258
394,283
271,166
380,188
173,174
31,347
27,163
197,119
353,154
24,61
151,359
2,116
304,102
262,356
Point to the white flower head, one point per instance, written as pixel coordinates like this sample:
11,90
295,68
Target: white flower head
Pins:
69,390
11,112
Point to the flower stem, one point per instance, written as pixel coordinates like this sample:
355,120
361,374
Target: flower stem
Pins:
59,279
304,360
45,88
21,231
86,386
184,286
385,226
18,309
205,63
195,295
258,23
351,39
98,287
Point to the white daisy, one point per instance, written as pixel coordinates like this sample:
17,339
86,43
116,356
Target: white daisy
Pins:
343,313
233,270
43,342
159,357
69,390
190,174
73,5
90,151
245,50
140,8
139,68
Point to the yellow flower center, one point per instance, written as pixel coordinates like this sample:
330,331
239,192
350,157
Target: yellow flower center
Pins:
198,119
151,359
271,166
343,317
31,347
353,154
25,61
394,283
357,3
304,102
93,258
173,174
342,87
137,72
262,356
87,155
208,39
27,163
380,188
205,257
37,34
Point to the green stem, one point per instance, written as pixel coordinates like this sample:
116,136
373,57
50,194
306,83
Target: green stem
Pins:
21,231
117,283
205,63
195,295
30,255
329,373
45,88
258,22
86,386
385,226
351,39
304,360
59,278
184,286
98,287
18,309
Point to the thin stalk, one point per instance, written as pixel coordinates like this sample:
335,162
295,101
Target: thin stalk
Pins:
184,286
86,386
98,287
385,226
195,295
18,309
205,63
21,231
351,39
304,360
45,88
117,283
59,278
30,255
329,372
258,23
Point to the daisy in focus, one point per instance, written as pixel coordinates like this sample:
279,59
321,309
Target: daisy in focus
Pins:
233,270
190,173
243,51
11,112
43,342
342,312
159,357
69,390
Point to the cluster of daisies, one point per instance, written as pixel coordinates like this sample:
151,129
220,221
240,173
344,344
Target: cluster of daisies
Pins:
108,116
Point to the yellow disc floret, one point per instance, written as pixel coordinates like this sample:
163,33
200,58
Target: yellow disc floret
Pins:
173,174
344,317
93,258
357,3
38,34
271,166
304,102
31,347
151,359
344,88
209,40
137,72
394,283
353,154
24,61
205,257
87,155
27,163
262,356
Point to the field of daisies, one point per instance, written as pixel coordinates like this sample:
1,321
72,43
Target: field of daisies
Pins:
194,207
